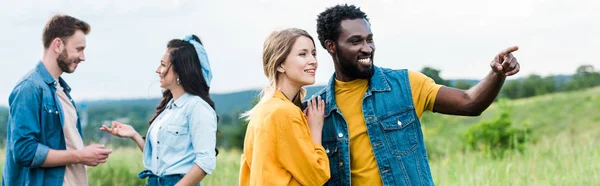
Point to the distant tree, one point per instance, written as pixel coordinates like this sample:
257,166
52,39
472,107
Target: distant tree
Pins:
464,85
532,85
226,119
435,75
511,90
535,85
232,134
3,124
585,77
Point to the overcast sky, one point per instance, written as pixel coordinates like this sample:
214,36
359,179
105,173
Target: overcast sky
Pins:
459,37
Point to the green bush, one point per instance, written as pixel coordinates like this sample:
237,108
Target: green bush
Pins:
496,136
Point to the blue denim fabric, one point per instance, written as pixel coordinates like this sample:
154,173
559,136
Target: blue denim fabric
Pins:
35,125
393,127
154,180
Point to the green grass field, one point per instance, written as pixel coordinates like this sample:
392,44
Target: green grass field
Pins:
565,149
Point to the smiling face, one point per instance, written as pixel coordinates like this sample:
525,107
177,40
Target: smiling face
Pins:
72,53
354,49
300,64
168,77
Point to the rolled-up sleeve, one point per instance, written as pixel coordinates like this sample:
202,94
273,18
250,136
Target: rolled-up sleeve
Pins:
24,122
203,126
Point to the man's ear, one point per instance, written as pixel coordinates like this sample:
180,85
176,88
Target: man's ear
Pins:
57,45
330,46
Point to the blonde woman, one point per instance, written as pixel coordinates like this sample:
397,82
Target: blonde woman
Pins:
283,143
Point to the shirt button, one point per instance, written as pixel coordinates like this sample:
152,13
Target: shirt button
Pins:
399,123
156,157
340,135
158,142
341,163
327,151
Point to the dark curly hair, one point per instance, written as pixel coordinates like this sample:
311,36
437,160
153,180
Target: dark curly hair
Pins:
328,22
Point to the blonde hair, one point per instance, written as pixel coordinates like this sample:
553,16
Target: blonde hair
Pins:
275,51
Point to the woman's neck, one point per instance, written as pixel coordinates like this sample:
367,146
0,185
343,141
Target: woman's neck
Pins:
288,89
177,92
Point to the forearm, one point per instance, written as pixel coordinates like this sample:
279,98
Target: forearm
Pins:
57,158
193,177
137,138
316,134
483,94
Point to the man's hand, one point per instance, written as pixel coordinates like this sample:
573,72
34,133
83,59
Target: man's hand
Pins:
505,63
93,155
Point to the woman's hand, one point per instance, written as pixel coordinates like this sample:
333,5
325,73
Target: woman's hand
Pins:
120,130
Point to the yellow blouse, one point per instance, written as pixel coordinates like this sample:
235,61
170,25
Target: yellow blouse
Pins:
278,147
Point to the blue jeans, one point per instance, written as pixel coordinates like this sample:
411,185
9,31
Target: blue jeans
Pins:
154,180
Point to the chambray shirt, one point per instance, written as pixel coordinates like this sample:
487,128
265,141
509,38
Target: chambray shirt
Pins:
186,136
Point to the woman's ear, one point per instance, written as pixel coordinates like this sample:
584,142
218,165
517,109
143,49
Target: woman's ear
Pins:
280,69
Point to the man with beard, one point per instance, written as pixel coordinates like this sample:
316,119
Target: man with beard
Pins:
44,142
372,133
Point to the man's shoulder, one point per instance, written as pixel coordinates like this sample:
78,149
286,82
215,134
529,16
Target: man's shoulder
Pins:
389,74
31,83
393,72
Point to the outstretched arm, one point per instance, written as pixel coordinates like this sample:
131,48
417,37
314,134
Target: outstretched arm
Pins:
474,101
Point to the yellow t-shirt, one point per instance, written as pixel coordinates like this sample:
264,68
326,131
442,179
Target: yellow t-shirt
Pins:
279,149
348,95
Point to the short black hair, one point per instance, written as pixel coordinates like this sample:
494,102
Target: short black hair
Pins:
329,21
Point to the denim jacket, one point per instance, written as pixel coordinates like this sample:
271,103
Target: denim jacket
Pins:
393,128
35,125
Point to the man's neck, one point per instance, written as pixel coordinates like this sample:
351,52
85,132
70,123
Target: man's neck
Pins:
52,66
340,76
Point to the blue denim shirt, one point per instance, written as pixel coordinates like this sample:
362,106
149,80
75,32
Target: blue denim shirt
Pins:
35,125
186,138
393,128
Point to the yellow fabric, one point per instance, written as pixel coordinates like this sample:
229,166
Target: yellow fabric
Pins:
424,91
278,147
348,95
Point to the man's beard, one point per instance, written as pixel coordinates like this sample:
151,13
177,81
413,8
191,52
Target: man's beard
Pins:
64,62
350,68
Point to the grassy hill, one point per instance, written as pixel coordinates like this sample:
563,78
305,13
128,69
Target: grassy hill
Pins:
575,113
565,150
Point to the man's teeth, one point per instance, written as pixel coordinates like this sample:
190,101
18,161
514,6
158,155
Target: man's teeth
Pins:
310,71
366,60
